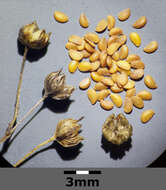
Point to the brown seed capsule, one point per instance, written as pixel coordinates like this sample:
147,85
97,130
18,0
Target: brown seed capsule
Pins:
83,20
150,82
137,74
140,22
147,115
128,105
124,14
137,102
106,104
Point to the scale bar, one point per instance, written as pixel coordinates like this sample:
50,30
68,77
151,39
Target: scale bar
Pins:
82,172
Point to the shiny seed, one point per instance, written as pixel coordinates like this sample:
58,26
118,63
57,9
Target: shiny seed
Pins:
132,57
111,22
116,99
72,67
124,14
122,80
128,105
151,47
60,17
116,56
96,77
103,71
90,42
103,57
109,61
112,39
89,48
92,95
131,92
82,46
115,31
102,45
75,55
123,52
95,56
107,81
92,37
103,94
106,104
85,53
83,20
116,89
122,39
112,48
95,65
76,40
85,83
137,102
147,115
130,84
124,71
135,39
137,74
114,68
84,66
140,22
101,26
114,77
124,65
70,45
100,86
145,95
150,82
137,64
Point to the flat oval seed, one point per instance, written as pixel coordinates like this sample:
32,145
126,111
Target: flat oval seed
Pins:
116,99
147,115
131,92
116,56
95,65
75,55
140,22
122,79
60,17
137,74
102,45
103,71
95,56
135,39
128,105
116,89
111,22
101,26
89,42
92,95
84,66
100,86
85,83
130,84
122,39
107,81
109,61
151,47
106,104
137,102
124,65
150,82
114,68
85,53
103,57
92,37
115,31
112,39
72,67
124,14
70,45
89,48
137,64
145,95
123,52
76,39
112,48
96,77
103,94
83,20
133,57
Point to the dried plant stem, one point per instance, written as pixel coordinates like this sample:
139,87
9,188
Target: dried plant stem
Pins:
33,150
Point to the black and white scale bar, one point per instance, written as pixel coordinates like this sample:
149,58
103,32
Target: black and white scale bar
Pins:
82,172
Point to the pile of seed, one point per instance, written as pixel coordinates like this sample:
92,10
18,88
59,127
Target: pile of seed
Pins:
110,65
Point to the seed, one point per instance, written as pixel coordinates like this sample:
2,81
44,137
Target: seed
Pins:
124,65
107,81
150,82
112,48
151,47
116,89
101,26
102,45
95,65
89,42
131,92
92,37
145,95
124,14
60,17
147,115
116,99
114,77
115,31
135,39
103,71
76,40
83,20
84,66
92,95
137,74
124,71
130,84
116,56
85,83
122,39
73,66
70,45
132,57
95,56
96,77
111,22
122,80
109,61
112,39
106,104
128,105
75,55
123,52
114,68
89,48
100,86
82,46
85,53
103,94
103,57
137,102
137,64
140,22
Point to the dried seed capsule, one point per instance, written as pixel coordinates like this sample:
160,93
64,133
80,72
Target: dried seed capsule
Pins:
106,104
128,105
131,92
75,55
147,115
137,64
122,79
92,37
76,39
124,65
103,94
92,95
115,31
96,77
109,61
83,20
137,74
103,57
102,45
116,56
70,45
123,52
137,102
145,95
112,48
116,89
85,83
150,82
130,84
111,22
107,81
135,39
124,14
151,47
100,86
116,99
132,57
140,22
95,56
95,65
101,26
84,66
89,48
60,17
103,71
72,67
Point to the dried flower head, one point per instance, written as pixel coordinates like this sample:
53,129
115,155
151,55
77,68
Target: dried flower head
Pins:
67,132
31,36
55,87
117,130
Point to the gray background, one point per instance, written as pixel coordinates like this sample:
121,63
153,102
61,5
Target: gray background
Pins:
148,140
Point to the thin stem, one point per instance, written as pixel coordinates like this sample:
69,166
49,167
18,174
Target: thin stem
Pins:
33,150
